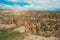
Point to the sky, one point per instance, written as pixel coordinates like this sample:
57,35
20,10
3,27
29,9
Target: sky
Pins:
42,5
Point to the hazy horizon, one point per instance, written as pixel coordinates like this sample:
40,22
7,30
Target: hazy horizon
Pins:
40,5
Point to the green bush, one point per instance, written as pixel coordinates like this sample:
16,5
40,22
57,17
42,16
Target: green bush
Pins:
43,28
10,35
50,22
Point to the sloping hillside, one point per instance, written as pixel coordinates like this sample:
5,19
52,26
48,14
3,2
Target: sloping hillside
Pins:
45,24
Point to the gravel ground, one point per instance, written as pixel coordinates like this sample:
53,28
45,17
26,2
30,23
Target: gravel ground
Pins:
36,37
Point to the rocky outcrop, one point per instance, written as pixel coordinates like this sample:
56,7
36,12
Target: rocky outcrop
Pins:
39,23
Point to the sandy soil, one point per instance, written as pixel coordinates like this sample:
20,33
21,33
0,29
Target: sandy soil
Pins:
36,37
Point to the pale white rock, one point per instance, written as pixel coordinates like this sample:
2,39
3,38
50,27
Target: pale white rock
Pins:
10,26
20,29
2,26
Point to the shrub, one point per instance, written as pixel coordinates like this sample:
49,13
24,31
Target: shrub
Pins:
9,35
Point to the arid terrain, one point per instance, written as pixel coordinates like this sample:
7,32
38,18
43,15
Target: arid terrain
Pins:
29,25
